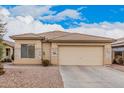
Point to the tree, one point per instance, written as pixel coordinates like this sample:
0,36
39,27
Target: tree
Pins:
1,51
2,32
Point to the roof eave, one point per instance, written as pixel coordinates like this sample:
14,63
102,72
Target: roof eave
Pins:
81,41
8,45
26,38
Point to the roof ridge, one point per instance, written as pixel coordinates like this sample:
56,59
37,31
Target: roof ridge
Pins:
50,32
92,35
61,36
71,33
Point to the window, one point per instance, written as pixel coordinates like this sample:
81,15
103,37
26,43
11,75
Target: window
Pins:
27,51
7,51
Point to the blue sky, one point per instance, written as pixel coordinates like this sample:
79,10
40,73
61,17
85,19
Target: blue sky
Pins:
90,13
99,20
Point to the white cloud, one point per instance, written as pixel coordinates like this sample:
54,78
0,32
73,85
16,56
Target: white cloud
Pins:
26,19
45,13
68,13
34,11
27,24
104,29
81,8
4,14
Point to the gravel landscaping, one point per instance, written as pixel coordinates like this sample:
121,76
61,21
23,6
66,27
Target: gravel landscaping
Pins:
31,77
118,67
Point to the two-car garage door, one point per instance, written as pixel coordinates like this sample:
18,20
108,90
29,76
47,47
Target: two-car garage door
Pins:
80,55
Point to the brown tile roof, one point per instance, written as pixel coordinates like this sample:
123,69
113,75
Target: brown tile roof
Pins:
118,42
77,37
62,36
53,34
26,36
11,44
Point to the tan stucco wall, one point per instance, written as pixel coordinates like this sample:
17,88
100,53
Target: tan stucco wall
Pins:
51,51
107,58
54,54
107,54
19,60
46,51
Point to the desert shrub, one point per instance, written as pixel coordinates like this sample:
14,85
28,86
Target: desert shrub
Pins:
7,60
46,62
1,69
1,51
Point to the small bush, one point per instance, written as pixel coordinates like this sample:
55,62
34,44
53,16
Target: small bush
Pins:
46,62
6,60
1,69
2,72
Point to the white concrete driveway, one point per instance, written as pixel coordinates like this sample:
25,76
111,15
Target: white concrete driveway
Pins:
91,77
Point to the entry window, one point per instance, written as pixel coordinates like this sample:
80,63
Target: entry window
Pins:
27,51
7,51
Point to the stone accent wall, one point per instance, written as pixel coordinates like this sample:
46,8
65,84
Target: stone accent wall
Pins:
107,54
54,54
46,51
51,51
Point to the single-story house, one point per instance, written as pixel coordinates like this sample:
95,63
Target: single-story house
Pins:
8,50
118,51
62,48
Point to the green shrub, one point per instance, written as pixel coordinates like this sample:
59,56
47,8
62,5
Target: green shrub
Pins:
46,62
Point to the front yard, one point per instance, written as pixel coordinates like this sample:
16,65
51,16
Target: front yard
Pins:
37,76
28,76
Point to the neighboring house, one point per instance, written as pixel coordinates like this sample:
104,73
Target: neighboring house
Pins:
8,49
62,48
118,51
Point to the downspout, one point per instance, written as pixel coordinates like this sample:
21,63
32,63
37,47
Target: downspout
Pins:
50,52
41,40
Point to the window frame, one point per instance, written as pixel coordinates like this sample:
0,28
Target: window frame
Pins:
27,51
8,51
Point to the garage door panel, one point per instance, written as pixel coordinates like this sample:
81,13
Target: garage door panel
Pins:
80,55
